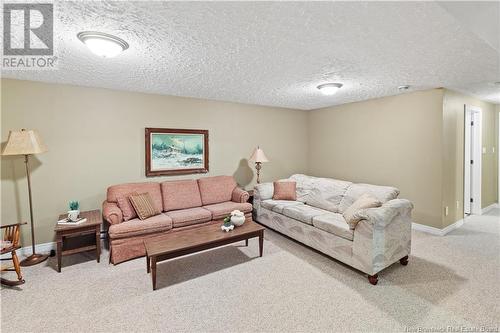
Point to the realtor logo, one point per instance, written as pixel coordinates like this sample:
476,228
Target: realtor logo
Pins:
28,36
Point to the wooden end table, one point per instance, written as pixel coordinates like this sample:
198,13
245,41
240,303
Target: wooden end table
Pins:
250,198
89,227
184,242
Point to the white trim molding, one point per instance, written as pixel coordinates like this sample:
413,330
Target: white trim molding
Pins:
472,152
437,231
488,208
43,248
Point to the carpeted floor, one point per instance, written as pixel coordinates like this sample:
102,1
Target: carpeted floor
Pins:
450,281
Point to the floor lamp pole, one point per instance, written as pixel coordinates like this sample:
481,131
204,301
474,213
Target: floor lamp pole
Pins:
34,258
258,166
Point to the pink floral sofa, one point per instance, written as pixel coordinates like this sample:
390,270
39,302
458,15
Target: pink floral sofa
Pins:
185,204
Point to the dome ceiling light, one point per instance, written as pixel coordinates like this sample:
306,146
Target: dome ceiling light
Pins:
102,44
329,88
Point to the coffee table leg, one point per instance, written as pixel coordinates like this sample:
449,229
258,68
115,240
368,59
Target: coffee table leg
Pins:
246,242
59,253
153,272
261,242
147,264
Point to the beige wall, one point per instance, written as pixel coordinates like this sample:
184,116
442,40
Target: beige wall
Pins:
389,141
96,139
453,153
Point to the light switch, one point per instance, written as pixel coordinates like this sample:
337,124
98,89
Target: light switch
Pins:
484,150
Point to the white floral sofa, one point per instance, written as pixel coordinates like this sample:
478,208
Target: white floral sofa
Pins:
315,219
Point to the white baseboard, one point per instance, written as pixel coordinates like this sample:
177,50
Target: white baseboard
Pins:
437,231
488,208
43,248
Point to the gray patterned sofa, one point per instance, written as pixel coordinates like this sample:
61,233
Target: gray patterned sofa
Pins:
381,238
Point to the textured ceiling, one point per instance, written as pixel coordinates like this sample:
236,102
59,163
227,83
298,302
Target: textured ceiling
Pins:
273,53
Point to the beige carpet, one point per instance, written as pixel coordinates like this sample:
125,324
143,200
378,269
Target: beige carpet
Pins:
450,281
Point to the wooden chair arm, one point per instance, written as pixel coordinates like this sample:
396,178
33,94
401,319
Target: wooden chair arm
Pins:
12,225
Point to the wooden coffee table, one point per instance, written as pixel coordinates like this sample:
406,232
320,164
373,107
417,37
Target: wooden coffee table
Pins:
184,242
91,227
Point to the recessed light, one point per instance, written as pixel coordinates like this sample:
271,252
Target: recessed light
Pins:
329,88
403,88
102,44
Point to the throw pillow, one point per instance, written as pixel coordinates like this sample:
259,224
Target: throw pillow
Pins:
363,202
285,191
143,205
126,207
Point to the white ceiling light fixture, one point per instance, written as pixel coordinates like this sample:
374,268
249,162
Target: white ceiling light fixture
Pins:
329,88
102,44
404,88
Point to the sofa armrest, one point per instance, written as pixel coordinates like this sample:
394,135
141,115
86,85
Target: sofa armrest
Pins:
111,212
240,195
263,191
385,215
383,236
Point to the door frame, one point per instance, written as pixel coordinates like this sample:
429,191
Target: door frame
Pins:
472,152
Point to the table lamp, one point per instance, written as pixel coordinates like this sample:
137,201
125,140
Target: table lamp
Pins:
27,142
259,157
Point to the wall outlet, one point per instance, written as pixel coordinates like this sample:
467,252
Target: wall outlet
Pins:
446,211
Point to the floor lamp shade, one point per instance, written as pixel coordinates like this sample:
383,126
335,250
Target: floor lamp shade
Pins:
258,157
27,142
24,142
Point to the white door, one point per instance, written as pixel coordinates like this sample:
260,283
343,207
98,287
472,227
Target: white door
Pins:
472,161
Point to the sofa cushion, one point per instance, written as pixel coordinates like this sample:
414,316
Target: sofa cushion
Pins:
285,190
382,193
143,205
278,205
136,227
126,207
223,209
125,189
335,224
216,189
303,213
324,193
180,194
189,216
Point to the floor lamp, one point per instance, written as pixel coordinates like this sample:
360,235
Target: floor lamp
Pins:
258,157
27,142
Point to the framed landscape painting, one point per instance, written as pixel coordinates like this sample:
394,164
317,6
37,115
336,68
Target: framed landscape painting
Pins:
176,151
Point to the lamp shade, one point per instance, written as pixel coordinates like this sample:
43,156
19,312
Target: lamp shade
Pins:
259,156
24,142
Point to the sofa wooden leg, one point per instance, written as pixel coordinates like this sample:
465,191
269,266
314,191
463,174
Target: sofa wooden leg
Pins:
373,279
404,261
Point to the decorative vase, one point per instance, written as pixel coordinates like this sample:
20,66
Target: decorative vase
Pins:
73,215
238,220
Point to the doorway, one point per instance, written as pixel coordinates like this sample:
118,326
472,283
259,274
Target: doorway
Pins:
472,160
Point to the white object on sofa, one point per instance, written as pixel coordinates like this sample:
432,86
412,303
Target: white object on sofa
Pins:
381,238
